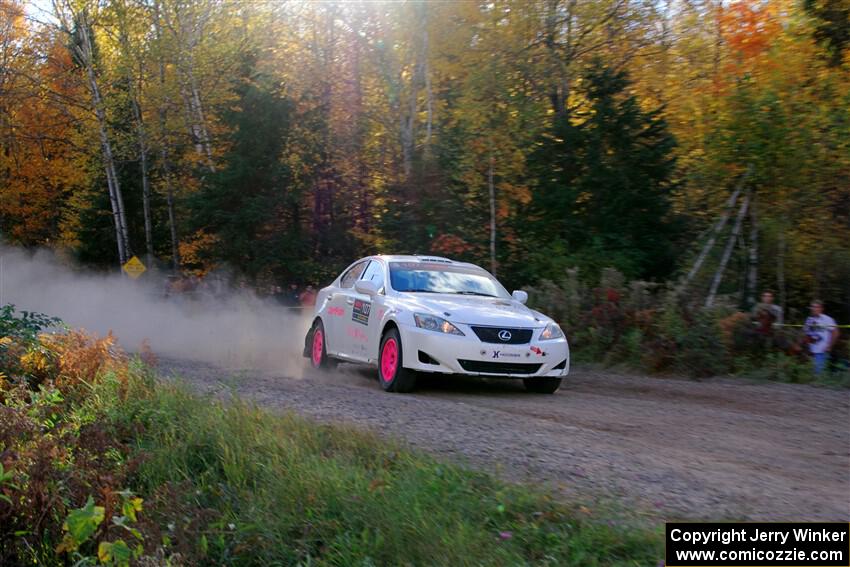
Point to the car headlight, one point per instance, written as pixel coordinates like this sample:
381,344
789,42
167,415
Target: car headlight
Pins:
437,324
551,332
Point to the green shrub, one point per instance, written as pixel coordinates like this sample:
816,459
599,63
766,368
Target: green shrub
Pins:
24,326
660,329
701,351
22,356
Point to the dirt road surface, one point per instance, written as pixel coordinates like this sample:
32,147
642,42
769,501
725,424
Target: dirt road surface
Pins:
656,447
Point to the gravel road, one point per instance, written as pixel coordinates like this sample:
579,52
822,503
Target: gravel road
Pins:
659,447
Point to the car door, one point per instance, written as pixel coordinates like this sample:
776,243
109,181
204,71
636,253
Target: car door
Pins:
366,312
339,309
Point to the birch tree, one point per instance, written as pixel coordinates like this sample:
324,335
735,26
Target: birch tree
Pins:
76,23
133,48
187,22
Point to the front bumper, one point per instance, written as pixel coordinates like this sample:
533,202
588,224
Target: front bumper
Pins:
428,351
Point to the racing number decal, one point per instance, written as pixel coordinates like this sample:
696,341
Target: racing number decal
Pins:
360,313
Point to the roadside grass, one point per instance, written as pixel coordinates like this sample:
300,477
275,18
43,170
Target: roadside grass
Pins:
281,490
103,463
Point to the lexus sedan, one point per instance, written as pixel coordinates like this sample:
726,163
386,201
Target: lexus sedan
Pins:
412,314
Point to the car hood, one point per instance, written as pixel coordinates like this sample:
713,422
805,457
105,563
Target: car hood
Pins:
476,310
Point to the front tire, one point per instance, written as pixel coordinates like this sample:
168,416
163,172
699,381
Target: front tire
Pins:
392,375
319,358
545,385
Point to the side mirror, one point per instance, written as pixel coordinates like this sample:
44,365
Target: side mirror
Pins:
366,287
520,296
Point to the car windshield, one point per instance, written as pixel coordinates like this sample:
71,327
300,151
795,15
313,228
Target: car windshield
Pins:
422,277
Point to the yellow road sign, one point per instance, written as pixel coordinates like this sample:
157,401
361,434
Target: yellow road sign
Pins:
134,267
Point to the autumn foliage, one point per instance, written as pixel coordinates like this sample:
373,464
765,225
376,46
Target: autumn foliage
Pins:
281,140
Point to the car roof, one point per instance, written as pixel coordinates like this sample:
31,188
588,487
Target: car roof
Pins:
429,258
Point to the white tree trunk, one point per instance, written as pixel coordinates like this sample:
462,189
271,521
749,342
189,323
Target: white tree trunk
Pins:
195,115
200,120
727,252
84,51
752,272
164,153
172,222
187,29
146,188
407,132
418,79
429,103
780,268
718,227
492,189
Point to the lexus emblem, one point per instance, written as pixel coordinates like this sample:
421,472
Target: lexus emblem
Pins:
505,335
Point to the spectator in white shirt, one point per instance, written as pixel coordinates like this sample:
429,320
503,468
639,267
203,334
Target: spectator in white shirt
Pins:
821,334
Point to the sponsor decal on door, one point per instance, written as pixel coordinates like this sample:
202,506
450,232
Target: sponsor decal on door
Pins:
360,313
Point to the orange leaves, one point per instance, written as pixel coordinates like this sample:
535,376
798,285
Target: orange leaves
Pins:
196,251
749,28
38,163
450,245
731,325
81,358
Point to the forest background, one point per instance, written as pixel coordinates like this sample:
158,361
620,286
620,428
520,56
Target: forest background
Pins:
543,139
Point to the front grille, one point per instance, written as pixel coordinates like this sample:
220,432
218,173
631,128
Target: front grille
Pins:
491,335
498,367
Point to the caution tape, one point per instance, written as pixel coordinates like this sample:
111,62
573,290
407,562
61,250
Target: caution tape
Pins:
791,325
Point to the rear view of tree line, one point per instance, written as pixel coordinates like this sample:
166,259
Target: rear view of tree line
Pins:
284,139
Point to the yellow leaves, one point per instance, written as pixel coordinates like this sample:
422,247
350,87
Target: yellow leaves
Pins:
82,358
194,253
130,506
514,192
35,362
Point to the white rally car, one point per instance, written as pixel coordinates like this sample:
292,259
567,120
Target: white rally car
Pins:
409,314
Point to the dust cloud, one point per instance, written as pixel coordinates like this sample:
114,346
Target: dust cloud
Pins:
236,329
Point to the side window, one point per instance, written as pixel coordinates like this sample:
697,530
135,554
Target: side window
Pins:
375,273
349,277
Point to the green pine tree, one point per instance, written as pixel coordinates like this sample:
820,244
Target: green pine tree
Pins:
603,179
250,204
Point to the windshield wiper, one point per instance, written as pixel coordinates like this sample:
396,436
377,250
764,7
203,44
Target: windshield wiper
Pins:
465,292
419,291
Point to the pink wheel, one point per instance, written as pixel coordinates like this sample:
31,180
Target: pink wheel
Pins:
394,377
389,360
318,347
